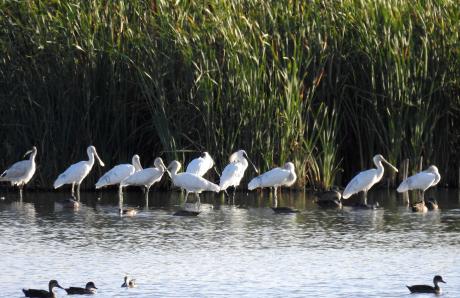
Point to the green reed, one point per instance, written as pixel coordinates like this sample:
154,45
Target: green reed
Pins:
325,84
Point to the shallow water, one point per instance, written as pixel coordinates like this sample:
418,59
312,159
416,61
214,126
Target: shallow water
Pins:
241,250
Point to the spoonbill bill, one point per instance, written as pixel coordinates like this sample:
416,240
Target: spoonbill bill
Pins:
199,166
234,171
366,179
78,171
119,173
191,183
146,177
421,181
22,171
277,177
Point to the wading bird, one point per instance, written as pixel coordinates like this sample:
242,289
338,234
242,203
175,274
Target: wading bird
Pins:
78,171
89,289
277,177
22,171
199,166
191,183
146,177
119,173
428,289
43,293
366,179
234,171
421,181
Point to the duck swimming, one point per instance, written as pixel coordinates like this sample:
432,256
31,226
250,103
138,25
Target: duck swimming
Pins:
419,207
90,288
329,199
129,283
128,211
428,289
70,203
432,204
43,293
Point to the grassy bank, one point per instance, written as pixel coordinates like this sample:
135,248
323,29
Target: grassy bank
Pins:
326,84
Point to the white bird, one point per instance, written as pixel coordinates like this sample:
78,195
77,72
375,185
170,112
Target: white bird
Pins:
199,166
78,171
147,177
119,173
191,183
422,181
366,179
234,171
22,171
277,177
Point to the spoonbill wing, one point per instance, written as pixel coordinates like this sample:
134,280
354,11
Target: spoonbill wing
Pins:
73,174
362,181
17,170
144,177
195,183
115,175
199,166
420,181
274,177
232,175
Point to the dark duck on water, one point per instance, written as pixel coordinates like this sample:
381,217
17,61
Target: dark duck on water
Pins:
428,289
90,288
43,293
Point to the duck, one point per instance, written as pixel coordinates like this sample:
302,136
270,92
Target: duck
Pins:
329,199
419,207
43,293
432,204
128,211
90,288
70,203
129,282
428,289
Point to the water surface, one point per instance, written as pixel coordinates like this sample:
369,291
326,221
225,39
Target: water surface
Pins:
240,250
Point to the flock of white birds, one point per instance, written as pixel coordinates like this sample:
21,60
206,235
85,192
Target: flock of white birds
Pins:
192,181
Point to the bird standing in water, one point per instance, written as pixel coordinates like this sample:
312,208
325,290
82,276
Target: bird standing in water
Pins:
22,171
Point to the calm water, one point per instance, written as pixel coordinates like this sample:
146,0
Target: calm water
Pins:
241,250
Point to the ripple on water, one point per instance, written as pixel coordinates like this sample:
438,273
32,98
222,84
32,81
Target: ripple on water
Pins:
233,251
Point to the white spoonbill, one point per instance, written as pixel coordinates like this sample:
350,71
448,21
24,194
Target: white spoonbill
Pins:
147,177
191,183
366,179
78,171
422,181
277,177
118,173
199,166
22,171
234,171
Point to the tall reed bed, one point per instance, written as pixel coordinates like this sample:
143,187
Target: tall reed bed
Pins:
326,84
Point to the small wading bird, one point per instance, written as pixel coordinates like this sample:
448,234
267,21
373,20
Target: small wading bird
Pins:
421,181
191,183
234,171
78,171
199,166
89,289
119,173
146,177
22,171
43,293
129,282
428,289
366,179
